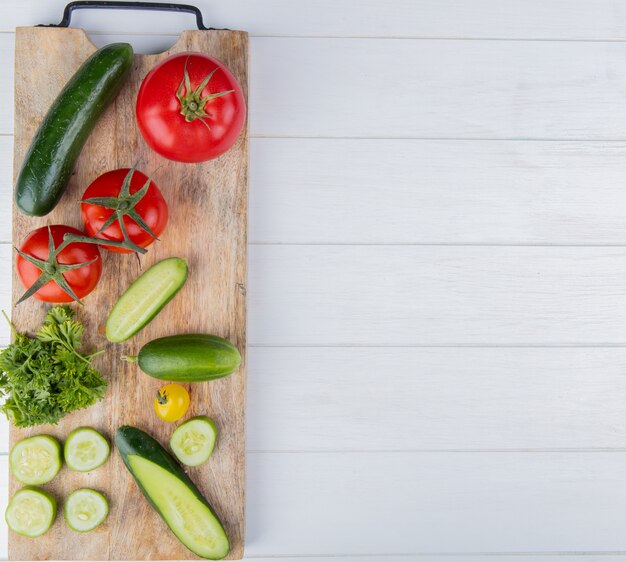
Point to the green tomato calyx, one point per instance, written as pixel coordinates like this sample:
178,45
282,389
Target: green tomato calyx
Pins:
192,104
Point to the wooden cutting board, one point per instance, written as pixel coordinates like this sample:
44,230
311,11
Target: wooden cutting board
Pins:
207,226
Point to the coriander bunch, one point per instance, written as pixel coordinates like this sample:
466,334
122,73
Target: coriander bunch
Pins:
45,377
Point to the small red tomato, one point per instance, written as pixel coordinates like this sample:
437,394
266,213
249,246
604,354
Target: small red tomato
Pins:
59,279
190,108
110,197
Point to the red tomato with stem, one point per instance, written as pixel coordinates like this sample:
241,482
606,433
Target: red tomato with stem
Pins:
70,272
190,108
118,196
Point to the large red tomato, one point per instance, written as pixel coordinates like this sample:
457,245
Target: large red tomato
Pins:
35,265
151,209
190,108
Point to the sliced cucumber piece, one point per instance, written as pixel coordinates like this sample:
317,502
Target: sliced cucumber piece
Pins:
31,512
36,460
85,509
145,298
85,449
194,441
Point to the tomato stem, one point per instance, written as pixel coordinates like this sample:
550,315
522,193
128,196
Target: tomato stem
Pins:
192,104
123,205
51,269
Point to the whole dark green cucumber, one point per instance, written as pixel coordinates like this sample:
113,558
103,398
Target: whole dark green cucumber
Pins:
188,358
52,155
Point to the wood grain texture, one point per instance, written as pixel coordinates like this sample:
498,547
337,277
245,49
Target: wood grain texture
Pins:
208,227
432,399
399,191
442,295
462,89
402,191
438,503
374,399
510,19
471,501
459,503
434,296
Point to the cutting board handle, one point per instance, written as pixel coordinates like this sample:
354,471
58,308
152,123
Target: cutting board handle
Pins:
113,5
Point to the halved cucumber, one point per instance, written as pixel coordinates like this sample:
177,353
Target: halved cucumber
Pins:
85,509
194,440
36,460
172,493
85,449
145,298
31,512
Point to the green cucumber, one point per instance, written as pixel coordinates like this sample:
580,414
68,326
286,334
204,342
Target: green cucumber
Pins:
31,512
172,493
35,460
85,449
85,509
145,298
188,358
193,441
50,160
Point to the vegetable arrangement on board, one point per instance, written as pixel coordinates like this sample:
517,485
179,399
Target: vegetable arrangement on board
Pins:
190,108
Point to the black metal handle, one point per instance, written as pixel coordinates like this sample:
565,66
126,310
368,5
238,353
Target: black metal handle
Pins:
113,5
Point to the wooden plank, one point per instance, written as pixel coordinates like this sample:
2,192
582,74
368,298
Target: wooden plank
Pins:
408,296
6,255
442,502
451,503
439,399
373,399
510,19
347,191
4,499
408,192
338,191
208,227
463,89
6,188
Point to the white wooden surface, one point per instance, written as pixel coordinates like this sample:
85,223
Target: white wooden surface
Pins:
437,287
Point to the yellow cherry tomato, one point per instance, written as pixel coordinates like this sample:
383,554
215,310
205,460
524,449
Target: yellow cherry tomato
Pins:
171,402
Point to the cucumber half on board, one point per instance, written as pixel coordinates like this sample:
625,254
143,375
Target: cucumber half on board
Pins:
172,493
145,298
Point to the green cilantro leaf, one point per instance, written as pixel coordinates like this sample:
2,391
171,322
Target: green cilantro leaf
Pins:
45,377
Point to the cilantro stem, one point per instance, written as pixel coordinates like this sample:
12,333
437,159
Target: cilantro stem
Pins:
13,329
71,348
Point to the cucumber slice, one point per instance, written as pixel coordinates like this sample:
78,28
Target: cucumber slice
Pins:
85,449
36,460
85,509
145,298
194,441
31,512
